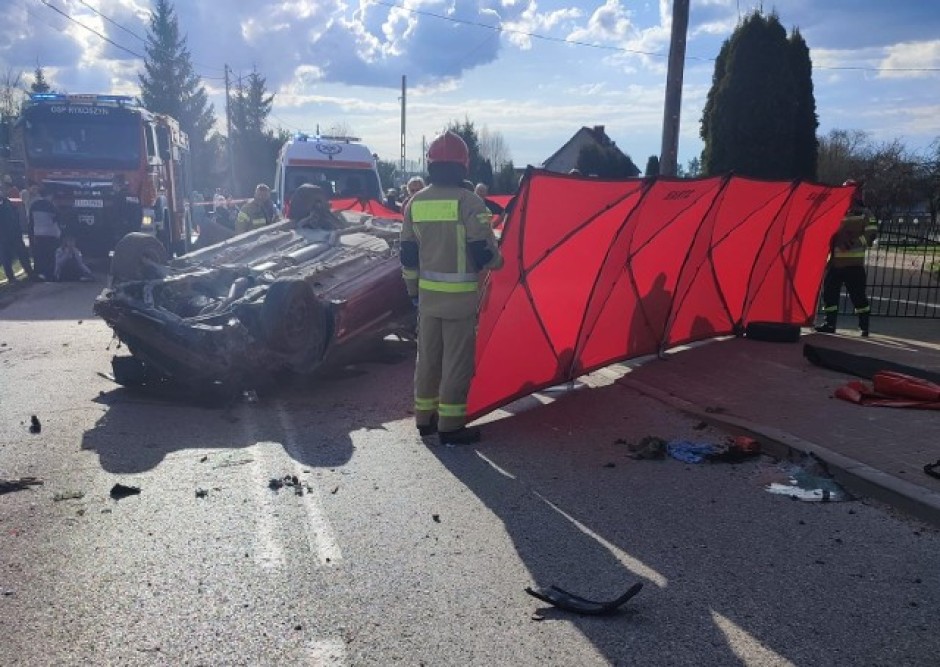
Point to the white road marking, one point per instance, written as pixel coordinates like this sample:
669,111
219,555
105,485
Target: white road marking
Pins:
321,536
495,467
634,565
748,648
327,653
268,552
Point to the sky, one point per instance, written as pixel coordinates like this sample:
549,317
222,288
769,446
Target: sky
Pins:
532,72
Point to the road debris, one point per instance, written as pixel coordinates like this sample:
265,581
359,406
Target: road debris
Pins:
436,517
18,484
276,484
690,452
202,493
808,480
933,469
736,449
562,599
119,491
34,425
231,463
68,495
649,447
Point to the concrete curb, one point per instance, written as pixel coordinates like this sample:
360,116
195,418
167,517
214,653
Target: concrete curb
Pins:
858,478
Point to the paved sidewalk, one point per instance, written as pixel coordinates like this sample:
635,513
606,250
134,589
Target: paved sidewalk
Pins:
770,391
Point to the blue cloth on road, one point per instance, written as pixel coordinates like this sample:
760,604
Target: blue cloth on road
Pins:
690,452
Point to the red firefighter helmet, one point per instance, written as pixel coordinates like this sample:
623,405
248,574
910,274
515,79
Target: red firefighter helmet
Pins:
449,147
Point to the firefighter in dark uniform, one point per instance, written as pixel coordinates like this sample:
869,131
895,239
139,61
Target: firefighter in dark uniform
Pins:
847,264
446,241
126,208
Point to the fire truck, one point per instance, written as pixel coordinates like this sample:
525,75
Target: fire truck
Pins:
78,145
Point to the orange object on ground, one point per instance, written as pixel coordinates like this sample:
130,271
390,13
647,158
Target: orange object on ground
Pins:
890,389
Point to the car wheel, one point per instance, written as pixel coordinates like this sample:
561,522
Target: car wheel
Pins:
293,321
133,255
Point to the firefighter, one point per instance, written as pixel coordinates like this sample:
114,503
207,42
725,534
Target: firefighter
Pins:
446,241
259,212
847,264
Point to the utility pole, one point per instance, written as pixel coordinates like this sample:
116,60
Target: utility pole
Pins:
403,88
669,155
228,130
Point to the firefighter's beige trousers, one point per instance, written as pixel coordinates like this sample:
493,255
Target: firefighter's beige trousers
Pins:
443,371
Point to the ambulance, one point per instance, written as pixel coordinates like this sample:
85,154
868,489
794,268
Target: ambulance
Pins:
341,166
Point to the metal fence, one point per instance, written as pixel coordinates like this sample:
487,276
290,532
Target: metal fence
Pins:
904,270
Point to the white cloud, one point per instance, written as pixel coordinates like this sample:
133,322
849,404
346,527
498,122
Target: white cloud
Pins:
912,56
530,21
609,23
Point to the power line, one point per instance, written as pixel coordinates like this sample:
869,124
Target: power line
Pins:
113,22
533,35
111,41
621,49
105,38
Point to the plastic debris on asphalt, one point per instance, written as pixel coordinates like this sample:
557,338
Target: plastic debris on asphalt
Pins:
690,452
649,447
34,425
119,491
18,484
807,480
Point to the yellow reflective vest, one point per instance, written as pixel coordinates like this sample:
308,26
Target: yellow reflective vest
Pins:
856,234
443,221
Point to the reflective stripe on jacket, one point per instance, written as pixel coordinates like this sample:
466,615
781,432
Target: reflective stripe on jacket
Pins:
443,220
856,234
253,215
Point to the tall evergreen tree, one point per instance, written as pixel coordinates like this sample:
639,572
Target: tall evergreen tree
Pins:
652,166
760,115
805,119
170,85
254,147
39,84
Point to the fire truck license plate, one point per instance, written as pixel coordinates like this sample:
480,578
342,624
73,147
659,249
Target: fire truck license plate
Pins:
86,219
89,203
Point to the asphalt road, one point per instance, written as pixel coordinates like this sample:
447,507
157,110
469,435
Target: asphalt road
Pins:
402,552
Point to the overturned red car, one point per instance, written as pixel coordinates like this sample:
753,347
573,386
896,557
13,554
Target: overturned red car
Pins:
291,295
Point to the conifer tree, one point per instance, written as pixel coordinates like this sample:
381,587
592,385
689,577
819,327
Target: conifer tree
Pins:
170,85
254,146
760,115
39,84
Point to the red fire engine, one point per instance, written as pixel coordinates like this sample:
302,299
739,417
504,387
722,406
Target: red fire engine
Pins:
78,145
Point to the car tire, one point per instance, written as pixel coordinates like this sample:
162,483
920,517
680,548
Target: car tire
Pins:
133,255
293,322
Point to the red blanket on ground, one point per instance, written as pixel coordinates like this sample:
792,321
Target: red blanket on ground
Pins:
892,390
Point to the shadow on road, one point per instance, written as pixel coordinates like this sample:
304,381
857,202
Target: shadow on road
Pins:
732,575
312,418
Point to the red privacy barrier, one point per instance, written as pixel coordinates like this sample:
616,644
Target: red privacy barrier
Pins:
601,271
370,206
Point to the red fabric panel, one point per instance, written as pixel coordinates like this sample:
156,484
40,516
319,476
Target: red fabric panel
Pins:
601,271
370,206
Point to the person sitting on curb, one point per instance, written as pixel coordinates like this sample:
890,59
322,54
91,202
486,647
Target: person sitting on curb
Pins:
69,264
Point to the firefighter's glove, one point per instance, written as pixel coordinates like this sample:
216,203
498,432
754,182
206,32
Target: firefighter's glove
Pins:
480,253
409,254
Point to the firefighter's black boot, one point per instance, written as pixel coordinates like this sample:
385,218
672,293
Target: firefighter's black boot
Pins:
425,430
830,324
863,321
462,436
